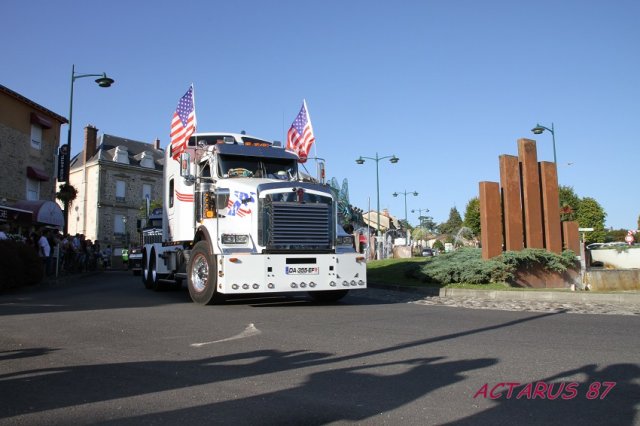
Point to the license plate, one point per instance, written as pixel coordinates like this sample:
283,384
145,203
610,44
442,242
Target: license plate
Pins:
302,270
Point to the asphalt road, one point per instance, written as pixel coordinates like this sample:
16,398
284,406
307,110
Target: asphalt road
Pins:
105,350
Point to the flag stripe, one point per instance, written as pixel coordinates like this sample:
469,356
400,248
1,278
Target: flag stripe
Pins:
183,124
300,136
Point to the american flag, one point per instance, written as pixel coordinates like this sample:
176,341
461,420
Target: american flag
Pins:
183,124
300,136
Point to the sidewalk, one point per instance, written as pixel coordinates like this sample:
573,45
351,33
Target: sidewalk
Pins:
622,297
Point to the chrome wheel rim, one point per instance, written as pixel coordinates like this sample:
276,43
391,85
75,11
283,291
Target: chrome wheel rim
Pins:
200,273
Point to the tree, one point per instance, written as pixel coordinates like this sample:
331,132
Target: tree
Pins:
472,216
153,204
614,235
569,203
591,215
453,225
405,224
420,234
428,223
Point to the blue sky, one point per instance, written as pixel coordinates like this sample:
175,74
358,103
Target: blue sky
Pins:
447,86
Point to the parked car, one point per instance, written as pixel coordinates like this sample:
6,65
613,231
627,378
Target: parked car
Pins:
427,252
135,260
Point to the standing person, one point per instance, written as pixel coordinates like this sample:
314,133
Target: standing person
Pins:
107,256
125,257
44,251
3,231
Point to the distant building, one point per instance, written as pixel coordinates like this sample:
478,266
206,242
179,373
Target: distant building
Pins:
114,178
29,142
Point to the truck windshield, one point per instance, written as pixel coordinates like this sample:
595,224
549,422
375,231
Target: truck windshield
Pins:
230,166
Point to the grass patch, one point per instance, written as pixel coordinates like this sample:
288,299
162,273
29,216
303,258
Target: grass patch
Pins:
395,271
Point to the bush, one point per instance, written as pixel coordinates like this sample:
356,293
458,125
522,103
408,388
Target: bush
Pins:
529,258
19,265
466,265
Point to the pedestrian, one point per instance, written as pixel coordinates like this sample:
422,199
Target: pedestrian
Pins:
125,257
4,230
107,256
44,251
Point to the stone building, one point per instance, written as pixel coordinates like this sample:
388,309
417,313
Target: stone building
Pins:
29,142
115,179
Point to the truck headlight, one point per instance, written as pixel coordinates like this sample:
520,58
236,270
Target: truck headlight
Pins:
235,239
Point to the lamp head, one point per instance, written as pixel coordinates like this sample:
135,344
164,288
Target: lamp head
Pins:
360,160
395,194
538,129
415,193
105,81
394,159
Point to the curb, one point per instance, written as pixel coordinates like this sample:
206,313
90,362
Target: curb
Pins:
555,296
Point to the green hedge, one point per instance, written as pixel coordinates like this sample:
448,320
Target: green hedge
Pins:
466,265
19,265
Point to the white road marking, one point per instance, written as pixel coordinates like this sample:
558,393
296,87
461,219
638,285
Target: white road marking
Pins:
251,330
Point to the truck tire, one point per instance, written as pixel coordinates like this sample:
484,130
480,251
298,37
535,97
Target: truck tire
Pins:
145,270
153,280
328,296
202,275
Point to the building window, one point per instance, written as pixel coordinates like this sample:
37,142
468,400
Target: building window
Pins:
118,224
120,190
146,191
33,189
36,136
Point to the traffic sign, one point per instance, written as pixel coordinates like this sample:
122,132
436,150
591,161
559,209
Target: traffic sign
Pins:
629,238
585,229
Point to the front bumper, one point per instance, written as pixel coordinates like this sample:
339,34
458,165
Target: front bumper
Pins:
277,273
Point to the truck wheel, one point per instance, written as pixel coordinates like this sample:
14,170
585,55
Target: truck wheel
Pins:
328,296
154,282
145,270
202,275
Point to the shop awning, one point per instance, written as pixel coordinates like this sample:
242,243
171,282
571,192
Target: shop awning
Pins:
38,174
13,215
43,212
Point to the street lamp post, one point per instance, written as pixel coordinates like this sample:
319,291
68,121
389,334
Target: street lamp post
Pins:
415,194
393,159
539,129
420,214
102,81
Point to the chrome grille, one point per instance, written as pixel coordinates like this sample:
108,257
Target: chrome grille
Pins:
299,226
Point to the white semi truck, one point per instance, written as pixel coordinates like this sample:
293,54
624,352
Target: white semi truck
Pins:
238,218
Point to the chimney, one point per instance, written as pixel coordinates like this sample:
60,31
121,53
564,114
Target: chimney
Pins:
156,144
90,142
